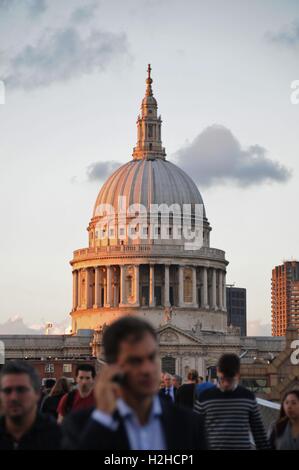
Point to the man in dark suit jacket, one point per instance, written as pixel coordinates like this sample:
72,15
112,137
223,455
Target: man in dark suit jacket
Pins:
182,430
168,392
129,415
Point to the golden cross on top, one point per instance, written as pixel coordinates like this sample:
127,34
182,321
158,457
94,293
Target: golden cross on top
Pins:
149,69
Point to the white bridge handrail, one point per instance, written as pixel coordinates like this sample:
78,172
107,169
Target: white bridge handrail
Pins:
269,404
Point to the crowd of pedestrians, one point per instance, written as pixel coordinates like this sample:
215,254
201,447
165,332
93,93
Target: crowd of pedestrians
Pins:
129,405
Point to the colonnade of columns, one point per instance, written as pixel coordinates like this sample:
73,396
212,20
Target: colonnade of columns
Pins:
119,286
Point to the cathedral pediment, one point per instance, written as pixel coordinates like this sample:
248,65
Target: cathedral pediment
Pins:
170,334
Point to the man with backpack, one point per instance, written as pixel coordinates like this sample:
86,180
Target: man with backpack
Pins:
82,396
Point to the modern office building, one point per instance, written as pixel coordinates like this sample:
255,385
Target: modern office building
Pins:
285,297
236,308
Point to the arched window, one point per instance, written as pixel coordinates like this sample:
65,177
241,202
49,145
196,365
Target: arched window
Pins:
150,131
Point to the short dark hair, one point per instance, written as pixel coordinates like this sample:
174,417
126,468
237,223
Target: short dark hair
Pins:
193,375
22,367
86,368
49,383
229,365
126,328
295,392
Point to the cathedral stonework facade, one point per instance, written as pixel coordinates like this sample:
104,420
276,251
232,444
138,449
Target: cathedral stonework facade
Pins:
148,268
141,261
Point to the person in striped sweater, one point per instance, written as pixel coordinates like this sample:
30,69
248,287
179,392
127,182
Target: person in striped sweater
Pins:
230,412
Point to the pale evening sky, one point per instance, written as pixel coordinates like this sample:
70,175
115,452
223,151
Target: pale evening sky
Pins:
75,74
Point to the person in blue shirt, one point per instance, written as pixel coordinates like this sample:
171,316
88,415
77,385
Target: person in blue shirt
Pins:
201,387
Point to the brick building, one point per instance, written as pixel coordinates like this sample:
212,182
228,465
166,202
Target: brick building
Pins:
285,297
270,376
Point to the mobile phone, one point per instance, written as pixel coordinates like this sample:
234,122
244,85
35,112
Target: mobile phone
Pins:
119,378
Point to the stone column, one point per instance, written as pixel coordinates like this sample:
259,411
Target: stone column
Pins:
79,290
224,291
166,286
194,286
122,286
205,288
136,280
114,288
214,290
84,294
97,287
117,293
181,286
201,366
88,290
221,290
100,287
152,302
108,286
75,289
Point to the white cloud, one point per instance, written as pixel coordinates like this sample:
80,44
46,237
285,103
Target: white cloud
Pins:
99,171
16,326
33,7
34,53
287,36
60,55
216,157
85,12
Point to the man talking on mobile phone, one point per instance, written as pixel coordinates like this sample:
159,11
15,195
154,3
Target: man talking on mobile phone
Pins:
129,414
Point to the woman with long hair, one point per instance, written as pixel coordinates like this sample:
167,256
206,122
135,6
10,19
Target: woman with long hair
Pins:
285,434
50,404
